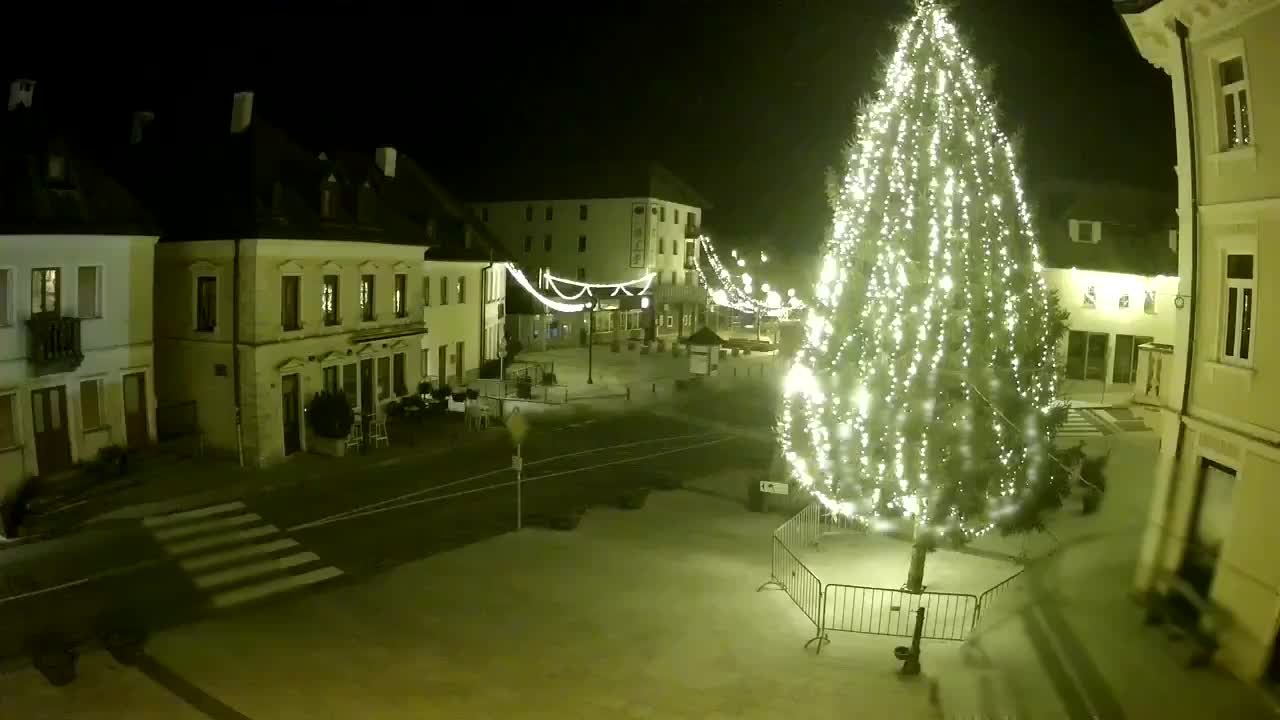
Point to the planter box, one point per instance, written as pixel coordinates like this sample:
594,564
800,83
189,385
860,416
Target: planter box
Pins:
333,447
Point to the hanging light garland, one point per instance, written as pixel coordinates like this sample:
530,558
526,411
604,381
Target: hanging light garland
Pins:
737,291
629,288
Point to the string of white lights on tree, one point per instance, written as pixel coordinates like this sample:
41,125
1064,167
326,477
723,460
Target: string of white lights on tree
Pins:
922,393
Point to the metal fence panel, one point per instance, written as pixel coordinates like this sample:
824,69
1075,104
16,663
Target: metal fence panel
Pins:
880,611
797,581
802,529
998,598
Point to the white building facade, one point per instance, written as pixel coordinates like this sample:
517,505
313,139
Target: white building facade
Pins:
463,311
604,237
314,315
1211,525
75,350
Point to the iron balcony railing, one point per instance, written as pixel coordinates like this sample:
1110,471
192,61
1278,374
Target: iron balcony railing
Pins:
54,343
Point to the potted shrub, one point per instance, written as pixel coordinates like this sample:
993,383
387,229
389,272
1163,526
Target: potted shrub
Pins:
330,418
112,462
55,657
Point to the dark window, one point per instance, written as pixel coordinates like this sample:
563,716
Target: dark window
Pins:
349,385
397,374
484,214
400,301
384,378
662,246
662,214
639,210
328,204
673,277
289,291
547,213
46,290
582,274
426,291
582,243
1231,71
528,213
462,289
366,298
330,374
444,289
206,303
582,212
546,243
528,243
1240,267
329,300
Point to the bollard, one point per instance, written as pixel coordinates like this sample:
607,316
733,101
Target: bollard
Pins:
910,656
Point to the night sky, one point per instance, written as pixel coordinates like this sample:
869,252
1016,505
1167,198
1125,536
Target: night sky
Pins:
747,100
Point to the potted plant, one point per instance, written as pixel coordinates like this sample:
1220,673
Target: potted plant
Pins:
330,418
424,389
112,462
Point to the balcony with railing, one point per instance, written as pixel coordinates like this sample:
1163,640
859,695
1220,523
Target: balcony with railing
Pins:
53,343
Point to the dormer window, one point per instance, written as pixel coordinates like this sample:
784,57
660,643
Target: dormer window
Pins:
1085,231
327,202
57,168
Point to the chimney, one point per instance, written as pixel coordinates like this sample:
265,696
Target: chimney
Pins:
20,93
241,111
386,159
140,120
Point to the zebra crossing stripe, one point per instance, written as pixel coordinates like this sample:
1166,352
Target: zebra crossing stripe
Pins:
271,587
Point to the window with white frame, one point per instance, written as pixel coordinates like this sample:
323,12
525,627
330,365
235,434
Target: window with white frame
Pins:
89,291
46,290
206,303
8,421
91,404
1237,123
6,297
1085,231
1238,314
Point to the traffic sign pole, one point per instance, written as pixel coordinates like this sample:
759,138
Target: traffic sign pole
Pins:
518,463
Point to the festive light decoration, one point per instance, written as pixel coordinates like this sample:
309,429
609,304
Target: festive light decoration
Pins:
922,392
523,281
629,288
737,292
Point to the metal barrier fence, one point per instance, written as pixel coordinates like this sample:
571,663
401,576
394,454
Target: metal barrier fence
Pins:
988,599
880,611
801,529
869,610
804,588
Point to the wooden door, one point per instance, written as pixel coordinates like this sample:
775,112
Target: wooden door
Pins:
136,430
49,425
289,413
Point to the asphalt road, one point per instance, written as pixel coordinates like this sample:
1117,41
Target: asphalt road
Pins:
340,530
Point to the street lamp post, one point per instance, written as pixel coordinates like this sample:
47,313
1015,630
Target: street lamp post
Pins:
591,332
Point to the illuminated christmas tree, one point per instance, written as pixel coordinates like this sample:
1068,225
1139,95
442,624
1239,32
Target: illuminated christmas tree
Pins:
924,398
